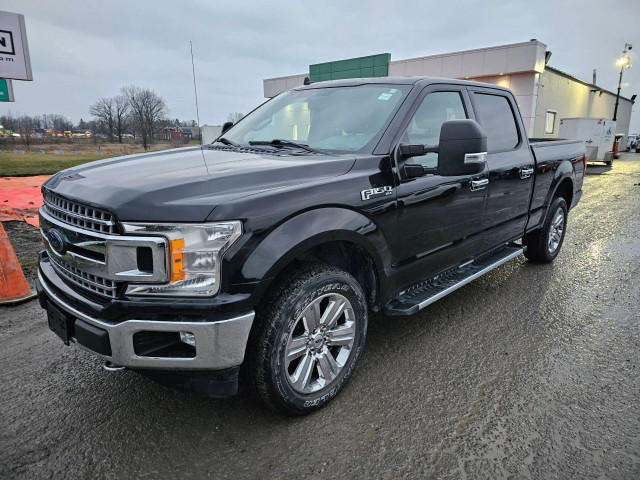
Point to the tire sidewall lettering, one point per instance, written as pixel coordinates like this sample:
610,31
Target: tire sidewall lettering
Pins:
280,381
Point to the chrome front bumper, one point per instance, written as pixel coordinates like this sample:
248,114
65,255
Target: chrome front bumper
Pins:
219,345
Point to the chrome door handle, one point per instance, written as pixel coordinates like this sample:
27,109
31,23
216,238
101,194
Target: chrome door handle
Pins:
479,184
526,172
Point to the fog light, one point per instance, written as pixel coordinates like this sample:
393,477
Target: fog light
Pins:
188,338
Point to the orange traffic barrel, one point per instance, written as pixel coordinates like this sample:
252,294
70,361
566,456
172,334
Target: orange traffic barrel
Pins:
13,286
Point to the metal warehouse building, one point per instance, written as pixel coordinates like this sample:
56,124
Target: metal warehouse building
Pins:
544,94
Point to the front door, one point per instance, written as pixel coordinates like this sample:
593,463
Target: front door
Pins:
511,166
439,218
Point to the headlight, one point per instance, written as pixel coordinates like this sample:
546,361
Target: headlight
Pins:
194,256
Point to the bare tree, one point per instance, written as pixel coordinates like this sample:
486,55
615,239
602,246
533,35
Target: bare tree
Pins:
56,122
235,117
61,123
148,110
121,114
104,111
26,126
9,122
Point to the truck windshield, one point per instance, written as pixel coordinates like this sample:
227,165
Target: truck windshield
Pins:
339,119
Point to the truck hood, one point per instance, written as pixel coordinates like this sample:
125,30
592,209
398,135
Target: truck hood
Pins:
186,184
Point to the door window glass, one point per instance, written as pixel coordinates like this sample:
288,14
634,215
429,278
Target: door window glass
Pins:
497,118
424,127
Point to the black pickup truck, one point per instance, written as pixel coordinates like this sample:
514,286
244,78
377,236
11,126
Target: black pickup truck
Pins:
255,259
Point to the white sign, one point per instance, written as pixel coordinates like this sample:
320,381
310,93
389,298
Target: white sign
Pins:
14,51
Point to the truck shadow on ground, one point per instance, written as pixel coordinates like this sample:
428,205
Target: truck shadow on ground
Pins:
595,169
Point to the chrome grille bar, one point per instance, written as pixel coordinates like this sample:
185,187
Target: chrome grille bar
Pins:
79,215
94,283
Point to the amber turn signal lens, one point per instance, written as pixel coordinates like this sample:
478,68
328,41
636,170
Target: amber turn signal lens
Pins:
177,265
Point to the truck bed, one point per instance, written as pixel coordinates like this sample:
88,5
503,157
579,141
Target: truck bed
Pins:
548,152
543,142
549,149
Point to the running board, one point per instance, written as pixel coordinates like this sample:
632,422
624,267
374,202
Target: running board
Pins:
425,293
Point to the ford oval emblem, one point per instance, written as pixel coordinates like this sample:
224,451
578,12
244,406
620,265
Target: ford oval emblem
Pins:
56,240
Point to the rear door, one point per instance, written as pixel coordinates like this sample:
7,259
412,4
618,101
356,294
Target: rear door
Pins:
510,163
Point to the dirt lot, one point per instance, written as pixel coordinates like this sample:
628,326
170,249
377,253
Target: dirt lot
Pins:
530,372
27,243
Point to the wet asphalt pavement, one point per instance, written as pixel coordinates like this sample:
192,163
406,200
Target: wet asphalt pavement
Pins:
529,372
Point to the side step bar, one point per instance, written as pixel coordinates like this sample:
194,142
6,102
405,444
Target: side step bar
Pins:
425,293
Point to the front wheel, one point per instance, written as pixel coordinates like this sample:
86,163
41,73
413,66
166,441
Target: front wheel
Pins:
544,244
308,338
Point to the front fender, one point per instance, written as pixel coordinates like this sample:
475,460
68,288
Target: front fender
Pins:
311,228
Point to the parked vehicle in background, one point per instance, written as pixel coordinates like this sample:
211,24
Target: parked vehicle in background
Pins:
597,133
258,257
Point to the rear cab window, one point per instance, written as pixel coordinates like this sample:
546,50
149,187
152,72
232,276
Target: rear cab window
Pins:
496,116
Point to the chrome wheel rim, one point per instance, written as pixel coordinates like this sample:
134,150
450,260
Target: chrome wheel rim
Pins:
320,343
555,231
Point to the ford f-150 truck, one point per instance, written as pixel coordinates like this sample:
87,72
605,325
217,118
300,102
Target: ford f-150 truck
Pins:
256,259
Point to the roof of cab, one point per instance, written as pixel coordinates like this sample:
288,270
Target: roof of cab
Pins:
423,81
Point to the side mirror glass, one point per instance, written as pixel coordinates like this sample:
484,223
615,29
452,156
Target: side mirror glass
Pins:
462,149
226,126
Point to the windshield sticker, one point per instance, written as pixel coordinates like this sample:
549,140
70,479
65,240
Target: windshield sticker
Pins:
385,96
393,90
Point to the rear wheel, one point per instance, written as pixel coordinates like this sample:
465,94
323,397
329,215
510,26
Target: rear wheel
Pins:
308,338
544,244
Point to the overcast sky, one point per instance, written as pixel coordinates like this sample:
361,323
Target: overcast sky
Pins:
82,50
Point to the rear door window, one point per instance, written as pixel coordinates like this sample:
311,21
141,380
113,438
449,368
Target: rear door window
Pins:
496,117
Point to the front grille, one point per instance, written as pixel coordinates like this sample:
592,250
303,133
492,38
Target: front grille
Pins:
79,215
93,283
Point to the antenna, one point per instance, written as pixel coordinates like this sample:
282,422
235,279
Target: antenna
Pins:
195,91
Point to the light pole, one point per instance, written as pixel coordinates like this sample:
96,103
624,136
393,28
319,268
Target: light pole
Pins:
625,62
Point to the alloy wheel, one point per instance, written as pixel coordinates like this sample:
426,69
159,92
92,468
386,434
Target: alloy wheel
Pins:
320,343
555,231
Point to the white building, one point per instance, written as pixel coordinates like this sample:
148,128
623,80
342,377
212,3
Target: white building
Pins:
544,94
210,133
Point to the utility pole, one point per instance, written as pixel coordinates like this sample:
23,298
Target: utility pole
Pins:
625,62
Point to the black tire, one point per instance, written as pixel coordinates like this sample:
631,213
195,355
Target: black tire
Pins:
537,242
275,322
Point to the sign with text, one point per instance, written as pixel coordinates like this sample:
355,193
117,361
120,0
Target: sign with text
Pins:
6,90
14,52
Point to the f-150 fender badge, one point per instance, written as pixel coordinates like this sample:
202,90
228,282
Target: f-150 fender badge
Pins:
376,192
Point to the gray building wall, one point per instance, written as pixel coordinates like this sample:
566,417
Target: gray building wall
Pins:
571,97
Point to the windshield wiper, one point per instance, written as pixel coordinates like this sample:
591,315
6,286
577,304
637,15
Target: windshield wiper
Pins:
279,142
226,141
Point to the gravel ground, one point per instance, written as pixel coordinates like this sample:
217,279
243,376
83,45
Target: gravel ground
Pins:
529,372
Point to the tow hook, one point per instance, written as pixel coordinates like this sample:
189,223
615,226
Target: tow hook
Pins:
112,367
